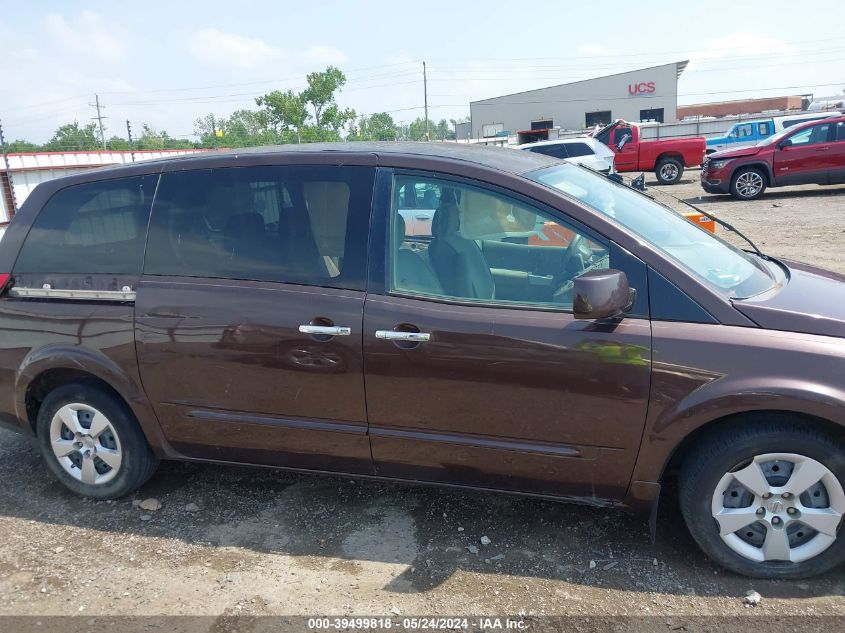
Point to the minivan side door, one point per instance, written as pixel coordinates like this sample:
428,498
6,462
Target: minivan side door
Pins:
477,372
249,311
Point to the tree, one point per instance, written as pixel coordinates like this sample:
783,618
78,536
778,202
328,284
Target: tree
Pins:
151,139
243,128
286,112
19,146
416,131
320,95
117,144
289,113
377,127
71,137
443,131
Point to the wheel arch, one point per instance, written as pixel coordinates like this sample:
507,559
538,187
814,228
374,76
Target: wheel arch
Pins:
46,368
723,423
762,167
670,154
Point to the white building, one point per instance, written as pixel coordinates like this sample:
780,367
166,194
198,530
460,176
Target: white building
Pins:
649,94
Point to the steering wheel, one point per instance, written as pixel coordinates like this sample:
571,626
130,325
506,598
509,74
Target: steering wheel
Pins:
561,282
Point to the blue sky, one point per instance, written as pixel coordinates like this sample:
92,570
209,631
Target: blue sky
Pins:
167,63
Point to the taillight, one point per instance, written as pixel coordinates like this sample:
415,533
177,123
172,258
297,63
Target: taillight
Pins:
4,281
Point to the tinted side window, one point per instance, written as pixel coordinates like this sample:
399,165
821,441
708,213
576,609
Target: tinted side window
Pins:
811,135
92,228
555,151
274,223
579,149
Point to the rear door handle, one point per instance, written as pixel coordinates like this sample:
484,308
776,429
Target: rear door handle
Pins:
325,330
413,337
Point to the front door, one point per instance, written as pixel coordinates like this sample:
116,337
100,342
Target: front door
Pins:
805,156
627,158
477,372
249,314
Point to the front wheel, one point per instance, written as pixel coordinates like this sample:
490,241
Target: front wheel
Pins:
748,184
669,171
766,500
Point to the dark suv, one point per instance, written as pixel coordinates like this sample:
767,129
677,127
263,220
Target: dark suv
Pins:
812,153
554,334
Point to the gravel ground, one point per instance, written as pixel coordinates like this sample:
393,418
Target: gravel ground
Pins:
258,542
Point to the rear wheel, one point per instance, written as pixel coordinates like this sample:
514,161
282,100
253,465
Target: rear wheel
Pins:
669,171
767,500
92,442
748,183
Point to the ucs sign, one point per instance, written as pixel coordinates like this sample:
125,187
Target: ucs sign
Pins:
643,88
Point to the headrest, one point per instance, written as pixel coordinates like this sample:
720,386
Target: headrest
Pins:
399,228
447,220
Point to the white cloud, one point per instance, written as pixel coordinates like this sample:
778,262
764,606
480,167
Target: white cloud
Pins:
322,56
88,35
211,46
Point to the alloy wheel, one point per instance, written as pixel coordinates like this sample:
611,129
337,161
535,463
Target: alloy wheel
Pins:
779,507
749,184
669,172
86,444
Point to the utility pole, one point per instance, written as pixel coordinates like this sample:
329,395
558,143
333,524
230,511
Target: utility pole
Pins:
99,118
8,178
425,96
129,135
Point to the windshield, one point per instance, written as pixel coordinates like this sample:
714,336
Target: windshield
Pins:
723,267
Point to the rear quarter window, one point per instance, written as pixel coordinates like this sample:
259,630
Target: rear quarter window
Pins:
555,151
91,228
579,149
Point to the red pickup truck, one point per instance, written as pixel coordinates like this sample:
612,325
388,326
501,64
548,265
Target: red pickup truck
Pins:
667,158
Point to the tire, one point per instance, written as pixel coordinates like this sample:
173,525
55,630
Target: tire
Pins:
668,171
748,183
776,544
119,459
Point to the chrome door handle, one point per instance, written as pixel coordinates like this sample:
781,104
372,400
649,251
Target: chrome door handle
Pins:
325,330
393,335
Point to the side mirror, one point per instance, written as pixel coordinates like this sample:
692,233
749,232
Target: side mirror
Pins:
602,294
785,143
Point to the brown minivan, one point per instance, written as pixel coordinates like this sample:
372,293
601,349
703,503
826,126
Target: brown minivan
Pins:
544,331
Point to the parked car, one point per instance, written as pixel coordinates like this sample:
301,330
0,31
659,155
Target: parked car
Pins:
557,334
747,133
581,150
667,158
810,153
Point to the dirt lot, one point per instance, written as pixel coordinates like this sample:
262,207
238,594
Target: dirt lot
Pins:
262,542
